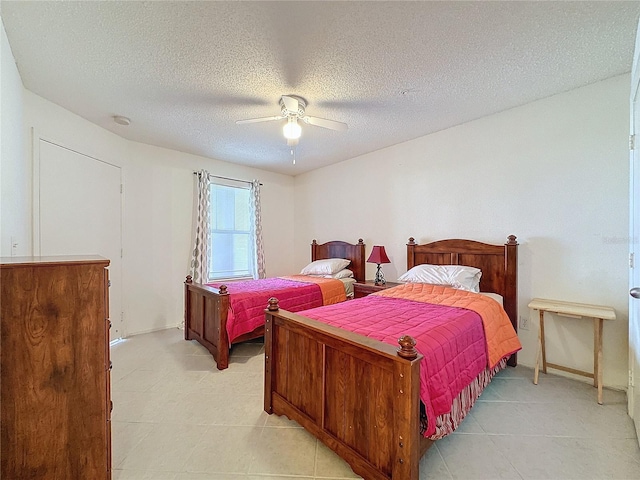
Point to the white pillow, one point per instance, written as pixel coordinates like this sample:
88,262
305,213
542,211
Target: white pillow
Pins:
498,298
344,273
328,266
456,276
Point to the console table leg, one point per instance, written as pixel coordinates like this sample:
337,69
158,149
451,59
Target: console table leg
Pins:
597,356
538,354
544,352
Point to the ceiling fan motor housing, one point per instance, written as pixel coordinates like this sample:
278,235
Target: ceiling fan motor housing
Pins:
302,105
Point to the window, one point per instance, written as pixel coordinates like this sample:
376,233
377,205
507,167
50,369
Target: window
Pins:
231,233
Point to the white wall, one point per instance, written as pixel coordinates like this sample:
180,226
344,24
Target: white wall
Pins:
15,196
158,198
553,172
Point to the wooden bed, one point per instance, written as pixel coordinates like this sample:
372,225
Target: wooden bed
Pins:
206,307
361,396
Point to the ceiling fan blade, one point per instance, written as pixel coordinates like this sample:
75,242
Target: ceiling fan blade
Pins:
290,103
262,119
324,123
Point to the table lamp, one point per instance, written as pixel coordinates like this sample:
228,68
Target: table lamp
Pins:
379,256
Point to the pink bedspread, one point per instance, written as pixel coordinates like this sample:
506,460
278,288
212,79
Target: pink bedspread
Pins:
249,299
451,340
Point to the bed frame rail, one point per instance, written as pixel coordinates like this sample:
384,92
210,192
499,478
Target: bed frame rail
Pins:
358,395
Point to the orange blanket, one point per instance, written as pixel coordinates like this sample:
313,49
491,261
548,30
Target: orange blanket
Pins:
332,289
499,332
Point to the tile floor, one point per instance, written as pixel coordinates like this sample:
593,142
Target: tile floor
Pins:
176,417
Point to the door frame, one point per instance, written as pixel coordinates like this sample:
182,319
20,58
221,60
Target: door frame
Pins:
36,138
634,245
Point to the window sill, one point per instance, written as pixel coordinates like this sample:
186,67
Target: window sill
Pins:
230,280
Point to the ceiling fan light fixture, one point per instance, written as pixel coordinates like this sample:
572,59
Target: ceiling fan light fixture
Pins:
292,130
293,108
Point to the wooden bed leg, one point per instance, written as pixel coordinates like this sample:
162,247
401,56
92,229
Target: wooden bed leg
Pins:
268,354
407,404
511,287
222,361
187,307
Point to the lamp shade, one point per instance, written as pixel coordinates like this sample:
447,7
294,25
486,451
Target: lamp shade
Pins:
378,255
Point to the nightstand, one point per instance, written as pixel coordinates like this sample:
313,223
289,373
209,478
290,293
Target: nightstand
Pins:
367,288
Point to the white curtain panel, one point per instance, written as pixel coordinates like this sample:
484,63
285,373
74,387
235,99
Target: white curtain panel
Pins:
256,222
201,235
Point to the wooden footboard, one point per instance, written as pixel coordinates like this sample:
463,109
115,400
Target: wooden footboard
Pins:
205,320
359,396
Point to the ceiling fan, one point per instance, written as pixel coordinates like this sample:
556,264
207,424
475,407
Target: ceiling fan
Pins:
293,109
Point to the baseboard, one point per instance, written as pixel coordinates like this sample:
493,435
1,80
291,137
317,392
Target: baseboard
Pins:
151,330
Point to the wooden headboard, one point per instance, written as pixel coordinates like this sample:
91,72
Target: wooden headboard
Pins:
337,249
499,265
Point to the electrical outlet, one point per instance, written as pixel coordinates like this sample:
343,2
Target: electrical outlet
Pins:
524,323
14,246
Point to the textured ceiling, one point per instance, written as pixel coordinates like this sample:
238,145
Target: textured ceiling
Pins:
185,71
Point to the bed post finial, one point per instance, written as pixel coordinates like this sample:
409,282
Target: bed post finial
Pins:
360,241
314,242
223,290
407,347
512,240
412,241
189,279
273,305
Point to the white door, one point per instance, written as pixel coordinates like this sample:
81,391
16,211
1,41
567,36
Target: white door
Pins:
634,243
79,212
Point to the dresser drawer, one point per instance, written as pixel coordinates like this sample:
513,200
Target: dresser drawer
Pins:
367,288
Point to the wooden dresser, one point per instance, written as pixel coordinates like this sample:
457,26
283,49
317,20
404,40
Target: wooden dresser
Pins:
55,387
